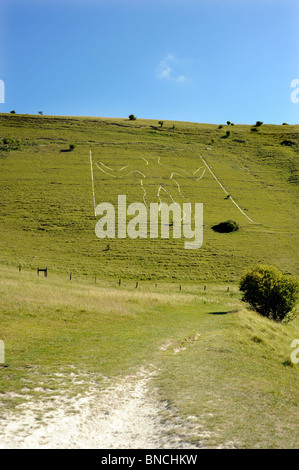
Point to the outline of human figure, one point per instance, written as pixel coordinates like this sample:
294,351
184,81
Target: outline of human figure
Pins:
147,193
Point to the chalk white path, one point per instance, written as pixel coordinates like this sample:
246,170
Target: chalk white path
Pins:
124,415
223,188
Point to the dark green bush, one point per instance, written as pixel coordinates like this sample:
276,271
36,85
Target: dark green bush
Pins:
288,143
132,117
226,136
271,293
10,144
226,227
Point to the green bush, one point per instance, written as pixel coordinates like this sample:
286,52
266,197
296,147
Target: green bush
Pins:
289,143
10,144
226,227
271,293
132,117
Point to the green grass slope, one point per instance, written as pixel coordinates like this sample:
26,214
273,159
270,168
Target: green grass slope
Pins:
47,210
224,373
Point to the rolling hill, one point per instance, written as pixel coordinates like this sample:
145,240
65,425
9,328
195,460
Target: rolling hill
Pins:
218,374
47,207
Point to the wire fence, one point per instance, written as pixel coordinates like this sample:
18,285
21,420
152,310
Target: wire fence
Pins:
131,283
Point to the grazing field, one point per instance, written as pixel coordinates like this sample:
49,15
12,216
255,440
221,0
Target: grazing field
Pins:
218,372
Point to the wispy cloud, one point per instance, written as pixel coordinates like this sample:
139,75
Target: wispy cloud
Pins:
170,68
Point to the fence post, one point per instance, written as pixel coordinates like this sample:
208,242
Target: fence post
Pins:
44,270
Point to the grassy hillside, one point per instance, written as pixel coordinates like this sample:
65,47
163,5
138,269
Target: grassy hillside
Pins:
47,211
223,373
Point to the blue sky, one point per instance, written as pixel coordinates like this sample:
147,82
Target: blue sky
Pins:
188,60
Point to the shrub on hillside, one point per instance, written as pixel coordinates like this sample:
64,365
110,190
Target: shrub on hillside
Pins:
258,123
226,227
132,117
226,136
288,143
10,144
271,293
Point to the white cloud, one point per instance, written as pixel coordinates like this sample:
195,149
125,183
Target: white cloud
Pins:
170,69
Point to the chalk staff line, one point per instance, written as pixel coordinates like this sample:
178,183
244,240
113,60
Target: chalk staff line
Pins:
92,183
234,202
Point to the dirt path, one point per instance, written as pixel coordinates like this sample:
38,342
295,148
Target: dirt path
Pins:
125,415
